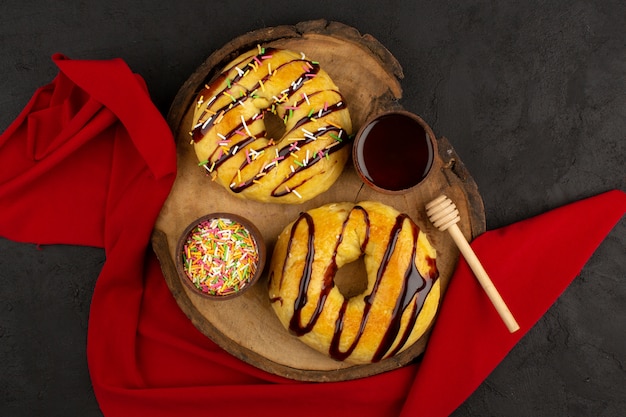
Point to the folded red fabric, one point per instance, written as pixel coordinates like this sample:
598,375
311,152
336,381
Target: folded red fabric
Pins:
531,263
90,161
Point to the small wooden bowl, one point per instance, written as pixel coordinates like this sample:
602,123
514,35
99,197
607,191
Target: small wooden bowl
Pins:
222,243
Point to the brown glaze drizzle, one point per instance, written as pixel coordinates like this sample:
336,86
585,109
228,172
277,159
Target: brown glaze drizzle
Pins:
415,288
200,130
334,350
296,323
218,157
283,153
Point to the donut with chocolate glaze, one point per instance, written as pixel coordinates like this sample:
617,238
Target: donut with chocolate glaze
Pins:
232,141
402,294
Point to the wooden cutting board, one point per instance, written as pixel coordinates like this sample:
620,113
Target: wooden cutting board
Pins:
369,78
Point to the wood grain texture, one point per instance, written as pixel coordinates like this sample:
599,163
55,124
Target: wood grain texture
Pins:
369,78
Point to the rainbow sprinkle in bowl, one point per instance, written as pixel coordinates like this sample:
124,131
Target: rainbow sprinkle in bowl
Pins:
220,256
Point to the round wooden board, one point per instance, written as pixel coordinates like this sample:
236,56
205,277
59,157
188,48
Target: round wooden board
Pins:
369,78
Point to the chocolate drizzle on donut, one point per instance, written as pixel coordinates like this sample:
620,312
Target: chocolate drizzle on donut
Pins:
307,155
284,152
415,288
296,322
334,350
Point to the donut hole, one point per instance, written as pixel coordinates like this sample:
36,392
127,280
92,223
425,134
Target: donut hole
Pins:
274,126
351,279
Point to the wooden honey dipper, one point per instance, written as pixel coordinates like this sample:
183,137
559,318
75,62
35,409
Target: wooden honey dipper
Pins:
444,215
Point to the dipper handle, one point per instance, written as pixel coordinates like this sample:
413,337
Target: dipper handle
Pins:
444,215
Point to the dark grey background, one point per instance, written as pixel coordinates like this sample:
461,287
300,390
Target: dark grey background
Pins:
532,96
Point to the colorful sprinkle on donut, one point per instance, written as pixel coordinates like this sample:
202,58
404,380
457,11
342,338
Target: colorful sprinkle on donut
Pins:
220,256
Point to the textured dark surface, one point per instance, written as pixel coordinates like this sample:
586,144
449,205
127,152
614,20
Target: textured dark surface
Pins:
531,94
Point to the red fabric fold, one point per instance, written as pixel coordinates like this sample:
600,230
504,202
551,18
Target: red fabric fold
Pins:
531,263
90,161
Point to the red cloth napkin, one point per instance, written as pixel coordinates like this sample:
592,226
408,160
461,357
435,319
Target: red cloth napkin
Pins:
90,161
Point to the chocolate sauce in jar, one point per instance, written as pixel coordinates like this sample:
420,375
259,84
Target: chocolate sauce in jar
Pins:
394,151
